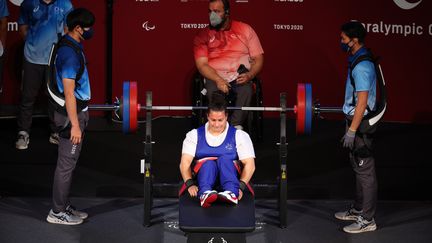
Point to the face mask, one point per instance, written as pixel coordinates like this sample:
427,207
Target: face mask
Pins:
215,19
87,34
345,47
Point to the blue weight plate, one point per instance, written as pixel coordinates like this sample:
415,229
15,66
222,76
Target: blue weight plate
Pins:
126,107
308,115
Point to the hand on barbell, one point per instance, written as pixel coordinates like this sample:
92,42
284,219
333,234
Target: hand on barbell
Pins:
348,139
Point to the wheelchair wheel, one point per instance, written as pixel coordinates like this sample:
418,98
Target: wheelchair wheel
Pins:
254,123
198,99
255,119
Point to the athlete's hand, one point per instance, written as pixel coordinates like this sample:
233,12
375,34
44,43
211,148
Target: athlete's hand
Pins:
193,191
240,194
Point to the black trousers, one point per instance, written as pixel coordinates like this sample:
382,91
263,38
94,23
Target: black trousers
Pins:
1,73
243,98
363,164
67,159
33,80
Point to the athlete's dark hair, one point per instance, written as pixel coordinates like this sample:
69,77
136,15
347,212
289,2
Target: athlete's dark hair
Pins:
81,17
354,29
218,102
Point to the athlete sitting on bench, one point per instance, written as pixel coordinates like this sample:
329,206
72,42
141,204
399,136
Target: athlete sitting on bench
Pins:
216,147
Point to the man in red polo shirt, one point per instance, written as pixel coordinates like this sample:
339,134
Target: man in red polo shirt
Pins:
220,50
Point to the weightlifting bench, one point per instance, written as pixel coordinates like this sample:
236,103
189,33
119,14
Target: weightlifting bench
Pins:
220,217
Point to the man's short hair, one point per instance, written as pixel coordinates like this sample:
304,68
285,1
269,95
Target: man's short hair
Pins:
226,4
81,17
354,29
218,102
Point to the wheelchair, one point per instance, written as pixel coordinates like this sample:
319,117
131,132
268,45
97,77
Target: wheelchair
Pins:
254,123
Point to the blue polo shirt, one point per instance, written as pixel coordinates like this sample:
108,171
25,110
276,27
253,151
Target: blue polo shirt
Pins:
365,80
3,9
67,65
3,13
45,23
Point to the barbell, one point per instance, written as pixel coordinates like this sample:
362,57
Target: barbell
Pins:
128,108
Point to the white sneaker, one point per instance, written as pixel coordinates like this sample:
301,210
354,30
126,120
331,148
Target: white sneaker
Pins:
350,214
207,198
80,214
228,196
361,225
23,140
65,218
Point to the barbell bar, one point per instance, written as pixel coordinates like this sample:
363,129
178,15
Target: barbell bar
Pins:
114,107
128,108
189,108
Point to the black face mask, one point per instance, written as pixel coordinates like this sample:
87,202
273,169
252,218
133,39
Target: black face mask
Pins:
87,34
346,47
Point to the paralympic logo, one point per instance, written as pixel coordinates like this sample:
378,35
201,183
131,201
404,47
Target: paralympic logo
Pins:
403,4
147,27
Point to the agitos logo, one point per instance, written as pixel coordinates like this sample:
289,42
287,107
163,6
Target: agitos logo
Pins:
403,4
148,27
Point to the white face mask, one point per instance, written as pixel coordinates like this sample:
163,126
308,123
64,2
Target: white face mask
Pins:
215,19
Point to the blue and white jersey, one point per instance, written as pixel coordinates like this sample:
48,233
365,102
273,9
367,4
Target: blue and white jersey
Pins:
228,148
46,23
243,143
364,79
67,65
4,12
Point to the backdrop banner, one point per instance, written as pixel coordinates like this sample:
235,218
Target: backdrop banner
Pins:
152,44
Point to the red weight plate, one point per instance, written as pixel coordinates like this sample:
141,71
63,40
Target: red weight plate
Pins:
301,108
133,106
